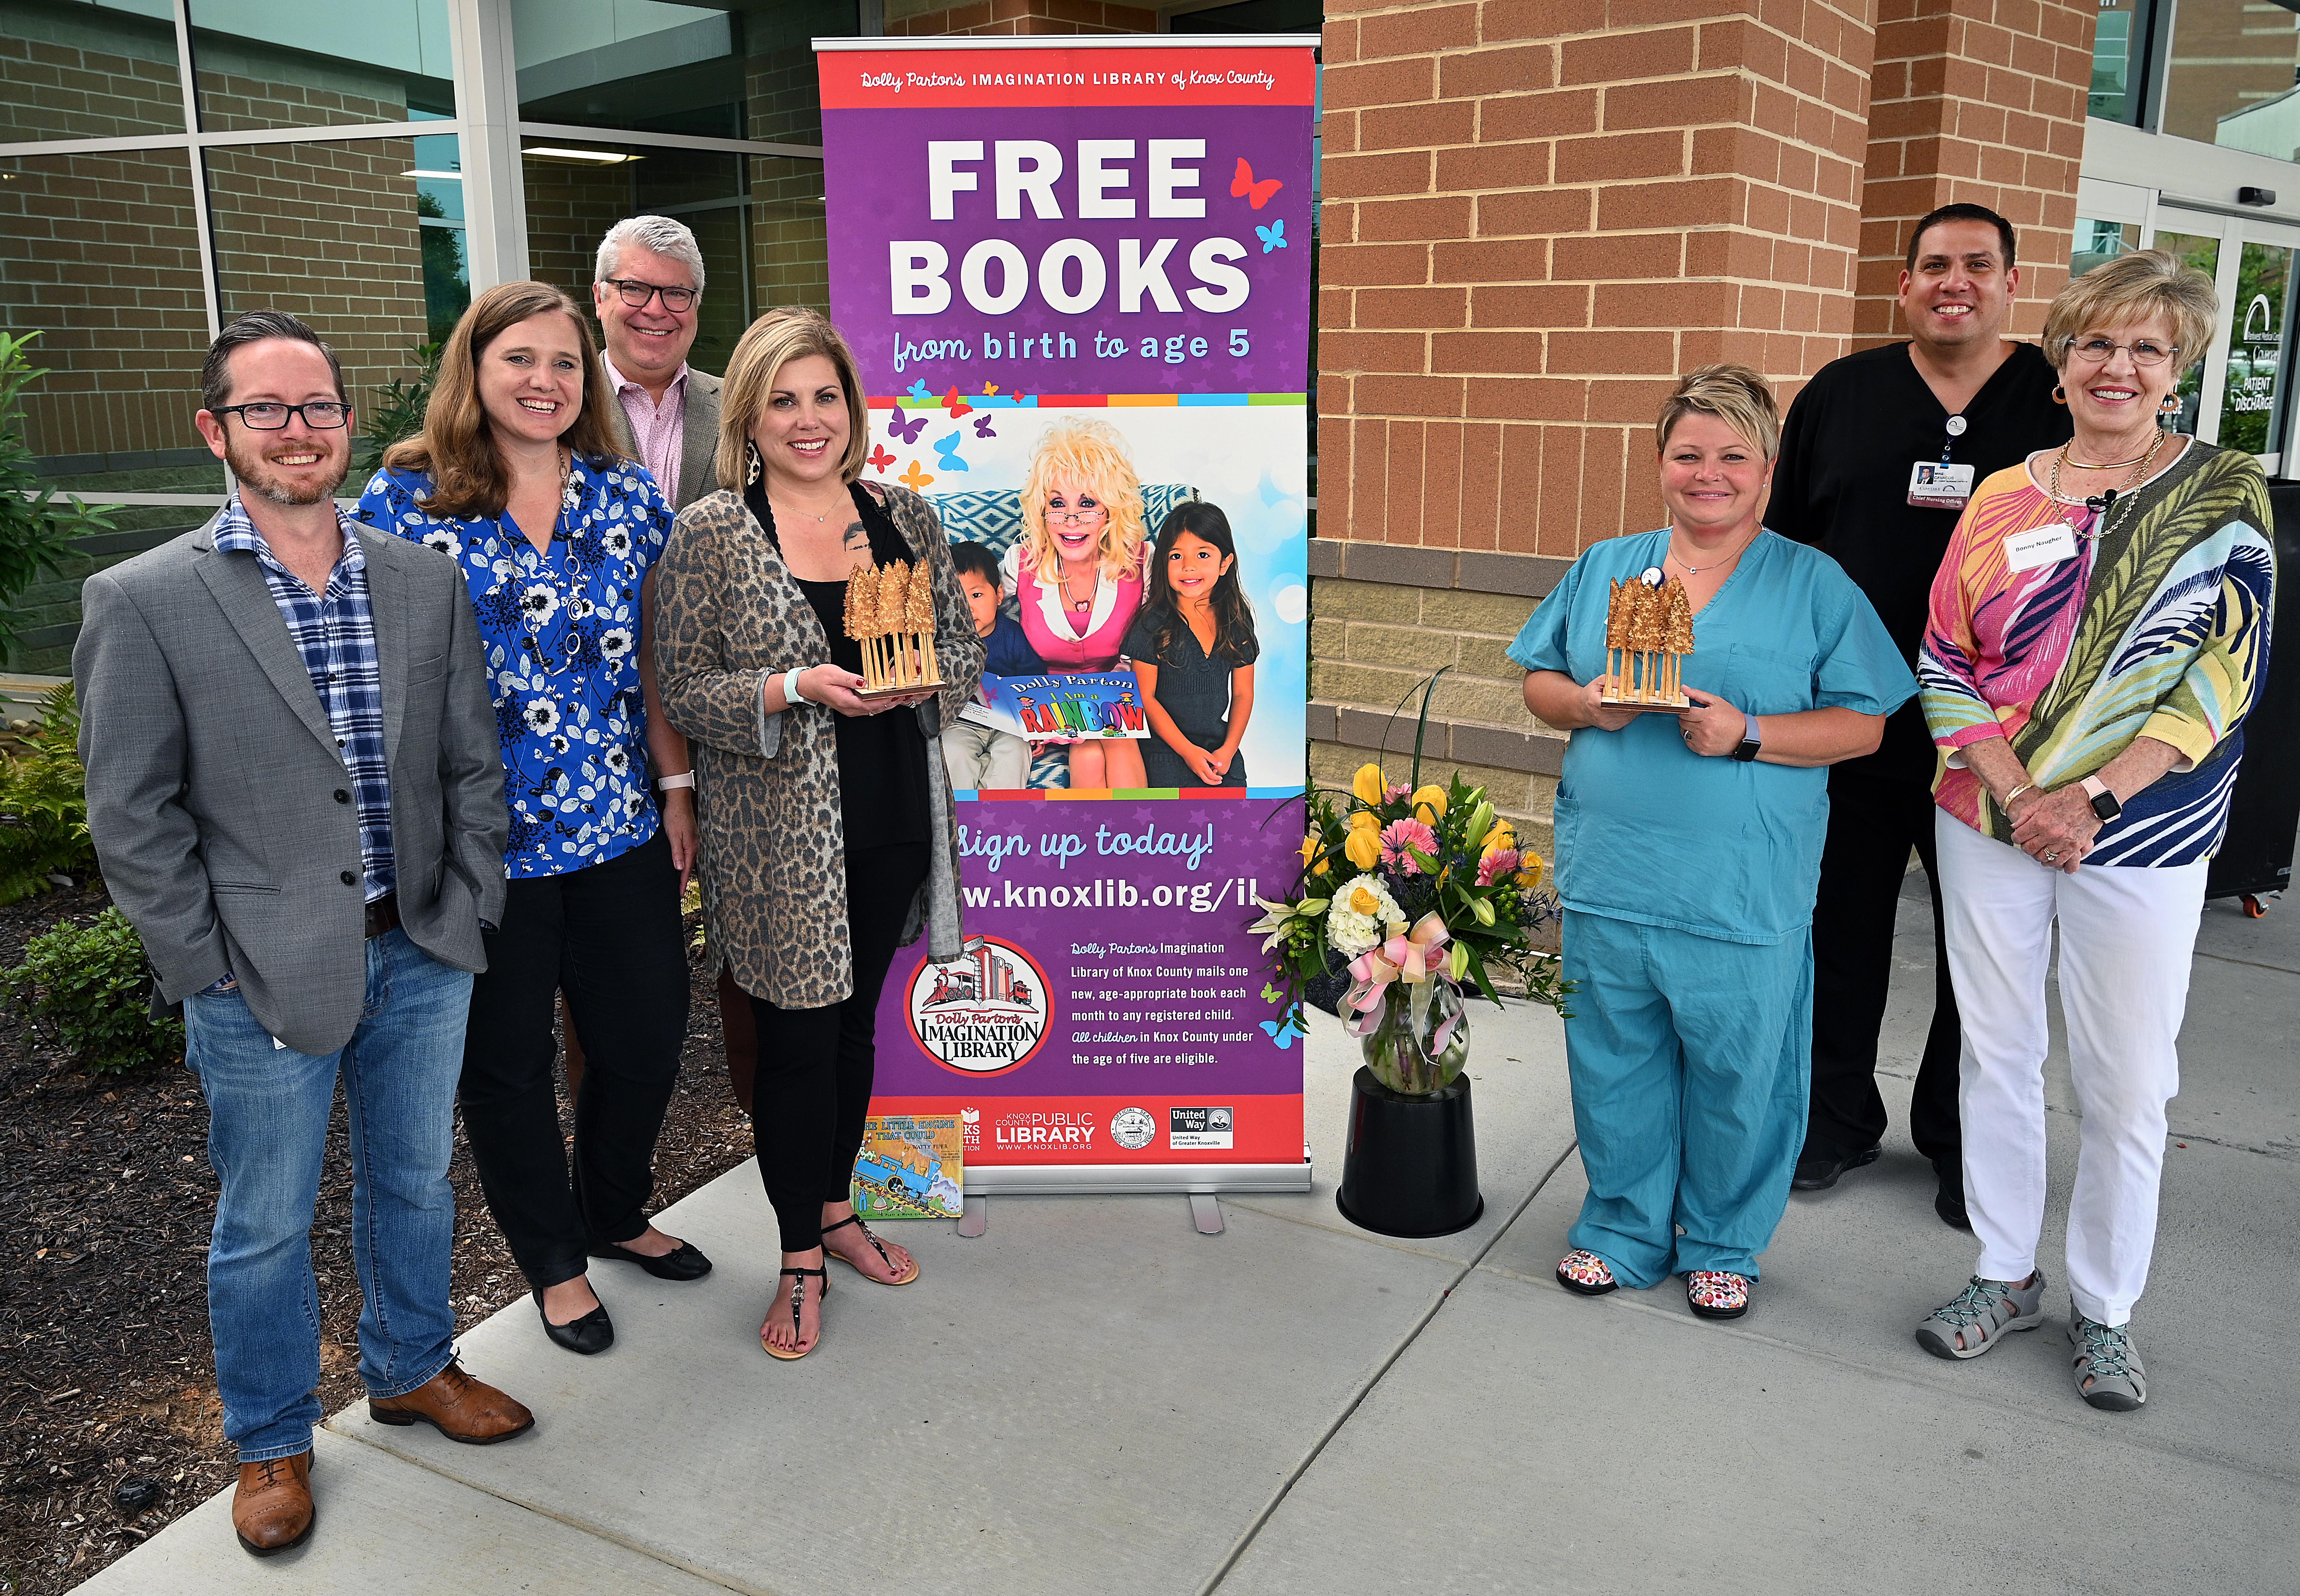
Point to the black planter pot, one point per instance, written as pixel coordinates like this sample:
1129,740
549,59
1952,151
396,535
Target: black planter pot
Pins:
1412,1165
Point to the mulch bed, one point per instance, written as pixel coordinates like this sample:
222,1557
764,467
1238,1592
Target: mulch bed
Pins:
108,1421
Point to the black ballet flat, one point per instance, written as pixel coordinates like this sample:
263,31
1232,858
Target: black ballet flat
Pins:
594,1331
683,1262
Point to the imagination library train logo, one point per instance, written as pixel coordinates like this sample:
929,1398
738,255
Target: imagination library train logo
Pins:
985,1014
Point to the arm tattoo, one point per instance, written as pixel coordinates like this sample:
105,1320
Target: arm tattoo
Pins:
857,537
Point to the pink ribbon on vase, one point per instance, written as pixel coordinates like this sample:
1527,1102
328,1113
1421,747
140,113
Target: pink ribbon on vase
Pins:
1415,957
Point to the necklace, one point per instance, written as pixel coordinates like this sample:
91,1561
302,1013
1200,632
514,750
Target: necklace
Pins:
818,519
2102,505
563,597
1079,604
1692,569
2107,465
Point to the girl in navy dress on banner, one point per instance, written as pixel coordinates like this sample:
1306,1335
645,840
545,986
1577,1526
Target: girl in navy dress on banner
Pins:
1194,648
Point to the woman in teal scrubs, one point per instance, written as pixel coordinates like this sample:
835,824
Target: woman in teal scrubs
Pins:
1688,852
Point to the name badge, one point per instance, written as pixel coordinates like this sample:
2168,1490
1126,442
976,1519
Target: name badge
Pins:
1933,485
2046,546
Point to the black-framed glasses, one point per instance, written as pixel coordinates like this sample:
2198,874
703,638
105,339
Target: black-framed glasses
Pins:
636,294
2145,351
323,415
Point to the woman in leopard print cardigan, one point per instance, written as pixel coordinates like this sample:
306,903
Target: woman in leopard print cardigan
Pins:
828,836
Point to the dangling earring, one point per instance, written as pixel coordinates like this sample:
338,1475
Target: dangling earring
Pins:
2060,393
752,480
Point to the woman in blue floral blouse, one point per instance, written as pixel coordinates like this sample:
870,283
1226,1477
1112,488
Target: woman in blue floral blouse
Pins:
517,477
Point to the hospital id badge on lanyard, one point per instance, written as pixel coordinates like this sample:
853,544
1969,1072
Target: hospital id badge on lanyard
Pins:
1942,484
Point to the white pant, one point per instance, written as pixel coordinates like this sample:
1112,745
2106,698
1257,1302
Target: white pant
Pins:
2126,935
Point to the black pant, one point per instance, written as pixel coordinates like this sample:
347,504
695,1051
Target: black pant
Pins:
812,1090
609,936
1875,816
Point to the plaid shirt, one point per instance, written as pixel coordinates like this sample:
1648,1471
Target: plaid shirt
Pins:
334,632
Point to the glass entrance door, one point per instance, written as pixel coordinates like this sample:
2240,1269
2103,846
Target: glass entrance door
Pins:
2239,396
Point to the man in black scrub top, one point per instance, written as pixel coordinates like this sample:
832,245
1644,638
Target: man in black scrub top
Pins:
1880,453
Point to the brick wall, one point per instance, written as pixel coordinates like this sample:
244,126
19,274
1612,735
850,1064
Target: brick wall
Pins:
919,18
1978,101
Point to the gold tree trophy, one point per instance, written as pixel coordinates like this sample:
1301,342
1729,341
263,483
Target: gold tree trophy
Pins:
890,612
1648,633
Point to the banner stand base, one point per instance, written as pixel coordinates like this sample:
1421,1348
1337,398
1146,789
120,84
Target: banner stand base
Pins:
1105,1180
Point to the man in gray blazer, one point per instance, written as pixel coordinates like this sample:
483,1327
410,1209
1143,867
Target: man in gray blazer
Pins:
296,793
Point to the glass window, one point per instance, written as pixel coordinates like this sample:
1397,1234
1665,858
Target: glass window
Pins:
105,71
727,70
331,232
2205,254
2229,60
99,255
2116,63
2096,242
291,64
2259,335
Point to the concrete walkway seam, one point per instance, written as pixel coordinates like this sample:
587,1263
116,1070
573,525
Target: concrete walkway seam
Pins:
1365,1387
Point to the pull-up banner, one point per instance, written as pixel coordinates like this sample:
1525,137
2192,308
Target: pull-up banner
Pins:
1076,273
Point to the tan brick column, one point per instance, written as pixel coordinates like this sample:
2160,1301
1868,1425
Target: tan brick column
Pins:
1981,101
1536,215
919,18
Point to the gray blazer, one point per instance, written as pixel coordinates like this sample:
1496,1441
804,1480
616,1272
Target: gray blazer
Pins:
215,787
699,438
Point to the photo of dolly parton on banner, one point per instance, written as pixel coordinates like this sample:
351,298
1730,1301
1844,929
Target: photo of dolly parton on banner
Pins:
1076,278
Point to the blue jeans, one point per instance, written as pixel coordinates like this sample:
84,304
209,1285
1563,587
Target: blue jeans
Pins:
268,1110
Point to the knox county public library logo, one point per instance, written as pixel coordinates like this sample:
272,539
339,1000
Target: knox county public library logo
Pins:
985,1014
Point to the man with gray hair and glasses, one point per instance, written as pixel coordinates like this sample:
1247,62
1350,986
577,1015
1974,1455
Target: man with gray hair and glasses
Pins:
647,291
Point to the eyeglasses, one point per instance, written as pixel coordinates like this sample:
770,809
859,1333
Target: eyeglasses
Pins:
635,294
2145,351
323,415
1072,517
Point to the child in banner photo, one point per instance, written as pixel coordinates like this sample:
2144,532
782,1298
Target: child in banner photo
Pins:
983,757
1194,648
1076,574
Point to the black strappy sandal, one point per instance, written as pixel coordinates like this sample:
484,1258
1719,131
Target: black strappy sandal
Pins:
856,1220
798,1279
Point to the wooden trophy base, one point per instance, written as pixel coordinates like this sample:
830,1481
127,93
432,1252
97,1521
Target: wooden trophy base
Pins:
914,688
1654,706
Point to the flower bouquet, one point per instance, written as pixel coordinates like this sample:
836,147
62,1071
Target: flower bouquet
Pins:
1418,891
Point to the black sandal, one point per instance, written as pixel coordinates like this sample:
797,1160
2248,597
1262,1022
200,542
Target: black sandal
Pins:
856,1219
798,1279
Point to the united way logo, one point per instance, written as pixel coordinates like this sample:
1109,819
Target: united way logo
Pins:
985,1014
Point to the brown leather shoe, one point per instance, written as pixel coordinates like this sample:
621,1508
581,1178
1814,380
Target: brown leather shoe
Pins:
272,1509
458,1407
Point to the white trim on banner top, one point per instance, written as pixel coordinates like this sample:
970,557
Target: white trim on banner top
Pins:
1083,41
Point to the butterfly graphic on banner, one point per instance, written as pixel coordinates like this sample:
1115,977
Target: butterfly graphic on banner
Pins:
947,447
905,430
879,459
957,406
1243,186
915,479
982,426
1273,237
918,395
1283,1035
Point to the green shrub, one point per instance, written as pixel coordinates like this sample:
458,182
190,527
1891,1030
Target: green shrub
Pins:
87,981
398,414
36,528
44,803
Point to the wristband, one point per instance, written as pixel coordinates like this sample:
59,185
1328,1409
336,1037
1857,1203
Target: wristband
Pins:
666,784
791,694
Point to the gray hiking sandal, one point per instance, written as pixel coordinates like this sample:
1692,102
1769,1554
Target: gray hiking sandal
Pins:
1984,1313
2107,1365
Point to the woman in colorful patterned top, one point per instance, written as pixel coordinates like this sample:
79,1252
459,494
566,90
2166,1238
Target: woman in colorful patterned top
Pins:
517,477
2098,630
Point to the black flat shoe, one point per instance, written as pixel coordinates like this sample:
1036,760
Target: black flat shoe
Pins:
1818,1172
683,1262
594,1331
1949,1202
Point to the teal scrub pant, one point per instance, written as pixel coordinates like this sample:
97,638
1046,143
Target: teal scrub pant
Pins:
1690,1063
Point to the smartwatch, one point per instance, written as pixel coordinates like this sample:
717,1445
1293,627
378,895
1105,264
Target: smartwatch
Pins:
1750,741
2105,803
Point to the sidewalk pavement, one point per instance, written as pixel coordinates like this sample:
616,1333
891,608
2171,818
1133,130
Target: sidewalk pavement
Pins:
1095,1396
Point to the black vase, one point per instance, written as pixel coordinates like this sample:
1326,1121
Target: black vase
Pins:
1411,1167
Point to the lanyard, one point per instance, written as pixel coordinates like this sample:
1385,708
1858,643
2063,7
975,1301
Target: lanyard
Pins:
1954,430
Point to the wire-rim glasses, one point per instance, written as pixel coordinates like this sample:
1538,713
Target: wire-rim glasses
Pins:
636,294
1079,517
322,415
2099,352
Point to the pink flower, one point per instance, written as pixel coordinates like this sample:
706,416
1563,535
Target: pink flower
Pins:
1399,835
1500,863
1397,793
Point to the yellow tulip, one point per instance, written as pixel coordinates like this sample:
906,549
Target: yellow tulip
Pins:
1365,820
1363,850
1435,798
1532,870
1310,845
1368,783
1500,836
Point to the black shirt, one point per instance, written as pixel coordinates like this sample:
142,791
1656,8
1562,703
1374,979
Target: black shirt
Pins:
1194,692
883,758
1842,485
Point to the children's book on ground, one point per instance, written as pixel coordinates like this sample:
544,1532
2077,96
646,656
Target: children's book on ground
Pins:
911,1167
1062,708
